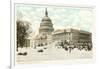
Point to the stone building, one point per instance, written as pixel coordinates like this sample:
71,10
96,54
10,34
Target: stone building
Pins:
45,29
48,35
71,35
85,36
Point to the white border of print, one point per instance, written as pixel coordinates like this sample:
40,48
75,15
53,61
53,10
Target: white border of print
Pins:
13,39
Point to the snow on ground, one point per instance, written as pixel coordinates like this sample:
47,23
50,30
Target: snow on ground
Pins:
51,53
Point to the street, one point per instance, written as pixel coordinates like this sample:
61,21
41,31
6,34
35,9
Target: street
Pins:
50,53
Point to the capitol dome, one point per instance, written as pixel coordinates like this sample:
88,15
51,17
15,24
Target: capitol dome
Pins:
46,26
46,18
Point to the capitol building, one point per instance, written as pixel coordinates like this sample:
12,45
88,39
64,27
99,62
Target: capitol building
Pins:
54,43
47,34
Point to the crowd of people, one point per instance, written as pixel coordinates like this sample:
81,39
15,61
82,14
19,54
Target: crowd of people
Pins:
69,46
80,45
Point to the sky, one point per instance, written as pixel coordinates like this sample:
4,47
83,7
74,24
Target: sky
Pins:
62,17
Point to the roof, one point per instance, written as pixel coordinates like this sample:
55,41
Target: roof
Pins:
59,31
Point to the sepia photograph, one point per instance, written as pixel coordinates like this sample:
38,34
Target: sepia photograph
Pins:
51,33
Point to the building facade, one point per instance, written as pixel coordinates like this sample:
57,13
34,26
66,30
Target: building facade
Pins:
71,35
45,30
47,34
